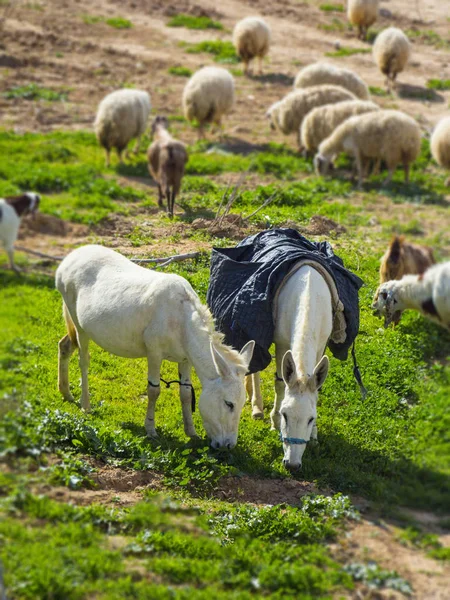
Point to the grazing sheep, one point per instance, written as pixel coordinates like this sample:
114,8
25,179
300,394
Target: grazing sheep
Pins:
251,38
325,73
391,52
207,96
167,158
287,114
428,293
323,120
12,209
362,14
389,135
121,116
404,258
440,144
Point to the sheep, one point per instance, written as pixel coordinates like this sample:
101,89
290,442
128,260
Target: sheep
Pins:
428,293
440,144
287,114
389,135
167,158
12,209
121,116
323,120
363,14
207,96
404,258
391,52
326,73
251,38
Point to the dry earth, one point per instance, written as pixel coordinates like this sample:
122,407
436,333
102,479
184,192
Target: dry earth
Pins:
48,43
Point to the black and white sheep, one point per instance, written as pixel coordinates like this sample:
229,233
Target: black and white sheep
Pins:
12,209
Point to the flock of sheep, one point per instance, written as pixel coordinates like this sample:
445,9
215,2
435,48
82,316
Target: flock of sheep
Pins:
329,110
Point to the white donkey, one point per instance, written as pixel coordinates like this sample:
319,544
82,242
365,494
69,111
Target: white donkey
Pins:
135,312
303,323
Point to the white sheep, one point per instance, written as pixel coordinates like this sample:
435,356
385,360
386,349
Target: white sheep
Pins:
323,73
428,293
208,96
391,52
122,116
12,209
251,38
287,114
362,14
387,135
440,144
323,120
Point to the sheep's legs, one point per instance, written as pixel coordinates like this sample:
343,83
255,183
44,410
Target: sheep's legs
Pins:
186,391
257,401
246,67
84,367
260,65
169,202
201,132
65,351
160,197
107,158
388,178
153,391
359,168
12,265
137,145
406,169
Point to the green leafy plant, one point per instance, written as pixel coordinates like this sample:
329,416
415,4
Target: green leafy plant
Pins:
332,7
223,52
33,91
438,84
346,51
180,71
119,23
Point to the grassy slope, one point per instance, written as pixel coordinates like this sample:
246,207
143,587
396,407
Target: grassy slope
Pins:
390,448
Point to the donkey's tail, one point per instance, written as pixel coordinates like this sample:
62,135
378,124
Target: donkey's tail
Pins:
71,329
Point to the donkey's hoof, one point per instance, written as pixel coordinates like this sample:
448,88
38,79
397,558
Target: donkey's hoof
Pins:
151,433
257,414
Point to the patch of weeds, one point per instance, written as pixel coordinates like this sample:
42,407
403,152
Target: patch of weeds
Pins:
180,71
335,25
192,22
440,553
377,578
346,51
33,91
119,23
377,91
237,72
332,7
71,472
438,84
427,36
223,52
413,536
92,19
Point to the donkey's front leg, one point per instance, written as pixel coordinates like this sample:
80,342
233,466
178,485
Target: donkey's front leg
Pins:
65,351
83,360
153,390
256,397
186,391
280,386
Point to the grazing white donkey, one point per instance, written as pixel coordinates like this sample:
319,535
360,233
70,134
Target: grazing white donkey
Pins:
303,323
135,312
428,293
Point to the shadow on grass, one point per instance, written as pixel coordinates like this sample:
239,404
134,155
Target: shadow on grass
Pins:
38,280
236,145
134,170
277,78
195,212
435,339
417,92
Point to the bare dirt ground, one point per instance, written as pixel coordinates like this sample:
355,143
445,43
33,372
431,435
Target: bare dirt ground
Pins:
48,43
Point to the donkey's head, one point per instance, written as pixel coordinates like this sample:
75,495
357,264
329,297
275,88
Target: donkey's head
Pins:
223,398
299,408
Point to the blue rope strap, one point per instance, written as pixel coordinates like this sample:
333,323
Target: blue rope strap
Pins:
293,441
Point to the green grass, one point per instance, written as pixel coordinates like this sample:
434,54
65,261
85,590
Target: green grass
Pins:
377,91
332,7
346,51
335,25
33,91
192,22
438,84
429,37
119,23
180,71
223,52
92,19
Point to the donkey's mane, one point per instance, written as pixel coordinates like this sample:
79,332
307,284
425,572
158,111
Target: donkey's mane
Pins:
217,338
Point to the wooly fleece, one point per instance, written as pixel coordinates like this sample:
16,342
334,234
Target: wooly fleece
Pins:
323,120
208,95
387,134
251,38
326,73
440,143
122,116
391,51
287,115
362,13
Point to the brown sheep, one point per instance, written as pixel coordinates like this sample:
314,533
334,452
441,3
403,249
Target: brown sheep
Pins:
167,158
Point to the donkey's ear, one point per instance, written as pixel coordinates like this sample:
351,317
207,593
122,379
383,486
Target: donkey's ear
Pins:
223,368
247,353
320,372
288,369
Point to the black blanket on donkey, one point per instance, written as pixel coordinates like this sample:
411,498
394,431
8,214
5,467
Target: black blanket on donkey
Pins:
245,279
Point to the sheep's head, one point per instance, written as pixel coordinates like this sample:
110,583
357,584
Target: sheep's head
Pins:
321,164
271,115
159,121
26,204
386,304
